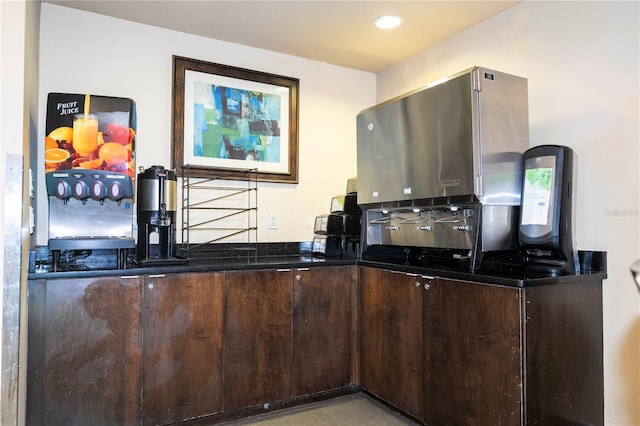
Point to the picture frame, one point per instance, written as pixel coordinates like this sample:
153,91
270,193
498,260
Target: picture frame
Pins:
227,119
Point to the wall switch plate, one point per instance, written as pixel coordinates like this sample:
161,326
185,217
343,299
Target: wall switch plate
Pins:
273,220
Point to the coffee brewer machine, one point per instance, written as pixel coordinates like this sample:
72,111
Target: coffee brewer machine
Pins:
156,208
89,173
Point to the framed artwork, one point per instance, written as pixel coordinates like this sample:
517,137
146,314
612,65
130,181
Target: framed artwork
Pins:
227,119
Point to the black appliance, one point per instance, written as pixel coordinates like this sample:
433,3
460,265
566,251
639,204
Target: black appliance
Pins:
347,203
156,209
327,245
547,214
338,233
338,224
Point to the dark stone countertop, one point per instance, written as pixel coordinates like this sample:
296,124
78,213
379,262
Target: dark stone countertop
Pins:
202,265
499,274
506,276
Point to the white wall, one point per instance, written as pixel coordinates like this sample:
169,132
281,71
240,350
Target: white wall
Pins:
121,58
582,64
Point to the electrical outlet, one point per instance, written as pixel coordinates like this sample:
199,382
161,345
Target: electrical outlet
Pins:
273,220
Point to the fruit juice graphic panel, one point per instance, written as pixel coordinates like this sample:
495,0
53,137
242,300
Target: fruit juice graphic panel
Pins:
90,132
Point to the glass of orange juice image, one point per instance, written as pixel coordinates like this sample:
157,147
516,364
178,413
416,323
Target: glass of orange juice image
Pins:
85,134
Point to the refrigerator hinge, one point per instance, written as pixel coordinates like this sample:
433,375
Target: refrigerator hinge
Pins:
478,186
475,76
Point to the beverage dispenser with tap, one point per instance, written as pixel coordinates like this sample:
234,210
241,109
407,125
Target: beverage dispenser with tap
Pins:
156,212
439,168
89,162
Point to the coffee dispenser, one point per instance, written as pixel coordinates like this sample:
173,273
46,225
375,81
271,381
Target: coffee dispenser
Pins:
156,209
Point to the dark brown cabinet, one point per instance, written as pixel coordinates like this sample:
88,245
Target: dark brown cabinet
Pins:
160,349
391,346
84,352
564,361
472,354
287,333
490,354
182,349
322,328
257,338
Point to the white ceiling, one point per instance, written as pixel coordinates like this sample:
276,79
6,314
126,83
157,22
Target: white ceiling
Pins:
335,32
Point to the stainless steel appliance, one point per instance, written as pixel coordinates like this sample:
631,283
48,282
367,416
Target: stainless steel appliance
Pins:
440,167
89,163
156,212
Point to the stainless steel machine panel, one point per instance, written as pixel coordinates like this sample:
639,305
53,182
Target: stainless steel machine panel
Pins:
418,146
503,126
464,136
474,227
90,219
453,227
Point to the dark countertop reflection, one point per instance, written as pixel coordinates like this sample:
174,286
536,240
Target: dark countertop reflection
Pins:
200,265
503,272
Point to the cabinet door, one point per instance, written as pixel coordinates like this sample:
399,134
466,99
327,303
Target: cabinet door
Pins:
322,328
565,382
472,354
84,352
391,338
257,338
182,353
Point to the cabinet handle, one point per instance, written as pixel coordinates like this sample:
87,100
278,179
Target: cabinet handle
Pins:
157,276
302,269
417,283
298,277
283,270
427,286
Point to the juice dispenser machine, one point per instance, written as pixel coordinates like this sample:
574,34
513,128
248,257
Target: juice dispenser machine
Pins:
89,161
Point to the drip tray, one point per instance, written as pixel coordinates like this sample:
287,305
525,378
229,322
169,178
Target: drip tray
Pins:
120,244
162,262
87,243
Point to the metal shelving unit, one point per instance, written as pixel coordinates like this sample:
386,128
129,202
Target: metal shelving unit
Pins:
219,213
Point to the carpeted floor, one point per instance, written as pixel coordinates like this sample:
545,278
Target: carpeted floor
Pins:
351,410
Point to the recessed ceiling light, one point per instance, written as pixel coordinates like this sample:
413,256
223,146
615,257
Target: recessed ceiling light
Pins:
387,22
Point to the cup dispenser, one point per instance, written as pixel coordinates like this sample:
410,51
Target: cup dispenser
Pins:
547,214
